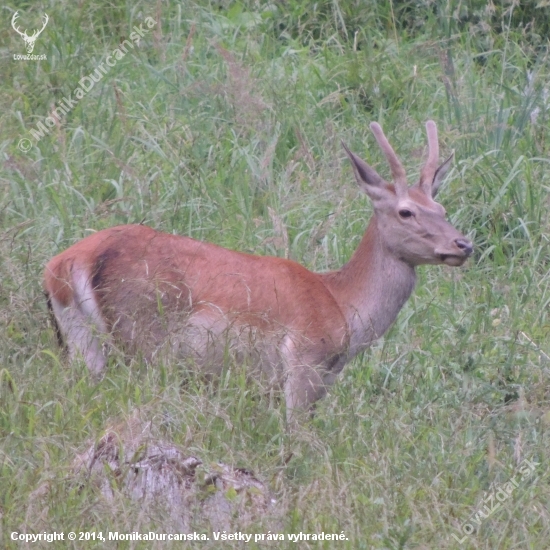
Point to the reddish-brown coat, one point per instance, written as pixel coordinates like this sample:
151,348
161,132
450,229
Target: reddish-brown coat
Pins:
154,291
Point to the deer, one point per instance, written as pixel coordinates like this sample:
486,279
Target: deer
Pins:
29,40
161,295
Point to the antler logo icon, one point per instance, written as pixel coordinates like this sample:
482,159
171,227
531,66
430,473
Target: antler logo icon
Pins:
29,40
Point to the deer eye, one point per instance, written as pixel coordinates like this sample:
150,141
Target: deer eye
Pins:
404,213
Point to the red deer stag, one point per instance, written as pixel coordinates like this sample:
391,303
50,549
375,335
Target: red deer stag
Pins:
155,292
29,40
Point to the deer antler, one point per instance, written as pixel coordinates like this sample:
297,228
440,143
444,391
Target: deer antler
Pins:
429,169
46,19
15,16
397,170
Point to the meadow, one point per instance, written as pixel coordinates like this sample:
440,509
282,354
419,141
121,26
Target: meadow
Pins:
222,121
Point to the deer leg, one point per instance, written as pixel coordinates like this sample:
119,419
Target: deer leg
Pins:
81,323
304,383
303,387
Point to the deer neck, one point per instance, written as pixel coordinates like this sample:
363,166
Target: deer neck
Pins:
370,289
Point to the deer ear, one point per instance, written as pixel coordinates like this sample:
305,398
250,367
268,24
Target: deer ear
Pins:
367,177
440,174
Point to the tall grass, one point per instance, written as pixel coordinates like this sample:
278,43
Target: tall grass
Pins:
224,124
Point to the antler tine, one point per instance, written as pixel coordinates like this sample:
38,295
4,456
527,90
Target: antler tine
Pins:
397,170
13,19
46,19
429,169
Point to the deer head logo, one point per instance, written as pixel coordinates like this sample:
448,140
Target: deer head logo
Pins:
29,40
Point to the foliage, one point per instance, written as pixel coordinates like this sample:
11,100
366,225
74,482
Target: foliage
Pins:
224,123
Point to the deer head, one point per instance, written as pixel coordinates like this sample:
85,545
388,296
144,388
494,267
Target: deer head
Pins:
29,40
412,225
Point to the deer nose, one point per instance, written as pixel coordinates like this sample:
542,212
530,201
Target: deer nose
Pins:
465,245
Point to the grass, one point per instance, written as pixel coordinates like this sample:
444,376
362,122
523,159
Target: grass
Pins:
224,123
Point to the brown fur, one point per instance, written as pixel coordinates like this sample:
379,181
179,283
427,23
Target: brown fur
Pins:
156,292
